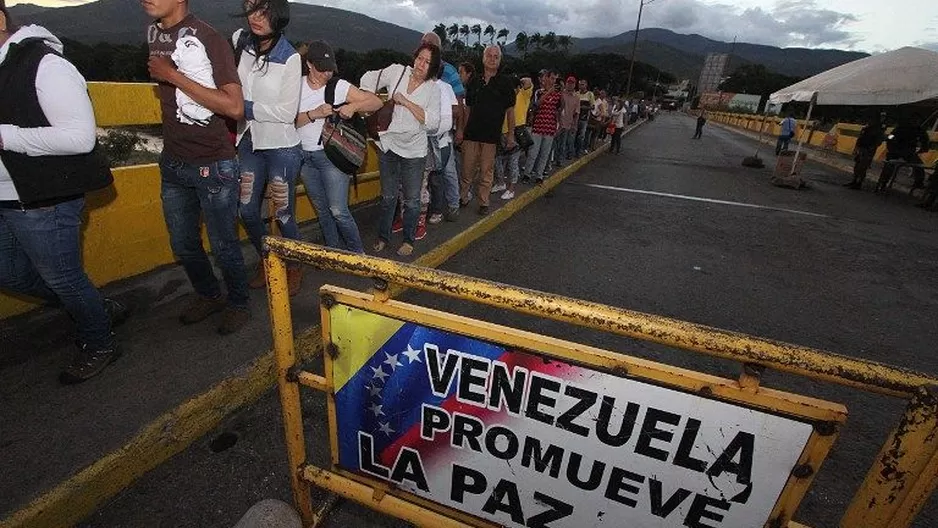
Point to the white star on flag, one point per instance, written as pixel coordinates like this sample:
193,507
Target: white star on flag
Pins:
375,408
379,373
374,390
412,354
392,360
386,429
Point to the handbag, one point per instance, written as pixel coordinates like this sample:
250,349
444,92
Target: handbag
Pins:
380,120
344,141
523,137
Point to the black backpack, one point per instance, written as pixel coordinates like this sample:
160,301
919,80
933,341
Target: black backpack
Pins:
344,141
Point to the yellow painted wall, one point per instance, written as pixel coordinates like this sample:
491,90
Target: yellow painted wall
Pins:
125,234
845,143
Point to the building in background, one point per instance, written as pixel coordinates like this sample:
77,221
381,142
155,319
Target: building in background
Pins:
712,73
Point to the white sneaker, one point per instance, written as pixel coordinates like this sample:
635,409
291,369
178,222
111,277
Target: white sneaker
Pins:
499,187
508,195
436,218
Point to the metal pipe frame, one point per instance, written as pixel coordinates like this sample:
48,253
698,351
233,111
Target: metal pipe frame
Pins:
812,363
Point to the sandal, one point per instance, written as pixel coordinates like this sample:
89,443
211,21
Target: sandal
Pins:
379,246
405,250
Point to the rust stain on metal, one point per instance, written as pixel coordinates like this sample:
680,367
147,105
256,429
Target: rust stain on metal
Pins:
763,353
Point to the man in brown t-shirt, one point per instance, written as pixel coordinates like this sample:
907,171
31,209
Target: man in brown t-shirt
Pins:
198,88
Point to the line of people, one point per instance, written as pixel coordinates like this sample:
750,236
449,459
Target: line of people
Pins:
243,119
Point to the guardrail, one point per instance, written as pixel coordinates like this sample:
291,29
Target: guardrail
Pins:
841,138
125,234
897,485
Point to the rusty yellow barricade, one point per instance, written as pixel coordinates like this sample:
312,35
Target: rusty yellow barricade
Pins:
442,420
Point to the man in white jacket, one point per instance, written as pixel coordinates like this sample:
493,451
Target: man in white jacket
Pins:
47,164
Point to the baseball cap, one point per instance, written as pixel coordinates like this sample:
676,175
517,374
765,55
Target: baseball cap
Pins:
571,79
321,56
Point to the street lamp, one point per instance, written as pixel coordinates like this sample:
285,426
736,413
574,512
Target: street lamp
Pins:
628,83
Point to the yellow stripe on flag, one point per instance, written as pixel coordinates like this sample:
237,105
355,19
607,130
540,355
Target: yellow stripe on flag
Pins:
358,335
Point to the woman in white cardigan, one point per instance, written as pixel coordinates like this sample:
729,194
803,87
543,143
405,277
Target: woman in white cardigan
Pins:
268,145
404,144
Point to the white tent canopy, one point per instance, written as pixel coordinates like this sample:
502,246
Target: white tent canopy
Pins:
906,75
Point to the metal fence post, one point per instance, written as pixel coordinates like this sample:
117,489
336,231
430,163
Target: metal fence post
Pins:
285,357
899,483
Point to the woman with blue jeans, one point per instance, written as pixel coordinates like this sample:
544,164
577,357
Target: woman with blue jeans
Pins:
268,144
327,186
404,144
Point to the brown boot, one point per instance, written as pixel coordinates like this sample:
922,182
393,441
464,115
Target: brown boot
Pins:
294,279
259,280
200,308
233,319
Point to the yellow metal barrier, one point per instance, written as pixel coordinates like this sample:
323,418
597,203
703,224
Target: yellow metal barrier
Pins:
124,234
898,484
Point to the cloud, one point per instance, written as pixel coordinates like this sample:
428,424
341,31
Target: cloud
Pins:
787,23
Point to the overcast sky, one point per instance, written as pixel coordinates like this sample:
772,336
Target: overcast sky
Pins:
863,25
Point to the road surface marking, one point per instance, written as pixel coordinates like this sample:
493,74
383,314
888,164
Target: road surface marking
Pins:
708,200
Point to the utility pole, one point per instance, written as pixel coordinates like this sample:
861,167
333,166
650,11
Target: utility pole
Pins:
628,83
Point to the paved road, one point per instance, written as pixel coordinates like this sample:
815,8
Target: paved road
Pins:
671,226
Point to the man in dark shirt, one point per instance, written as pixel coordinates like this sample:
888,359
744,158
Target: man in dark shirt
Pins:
490,99
198,166
871,137
904,144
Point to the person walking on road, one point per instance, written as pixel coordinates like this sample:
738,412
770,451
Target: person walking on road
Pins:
269,147
787,133
47,164
871,137
701,121
490,99
198,167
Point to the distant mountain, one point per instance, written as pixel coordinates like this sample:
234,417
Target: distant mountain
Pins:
683,55
124,22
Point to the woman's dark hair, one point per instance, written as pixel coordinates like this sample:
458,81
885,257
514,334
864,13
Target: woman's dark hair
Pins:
436,60
278,13
469,67
11,26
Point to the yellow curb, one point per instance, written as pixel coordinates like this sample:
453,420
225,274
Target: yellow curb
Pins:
77,497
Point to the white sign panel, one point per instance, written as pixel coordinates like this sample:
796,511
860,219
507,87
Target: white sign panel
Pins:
526,442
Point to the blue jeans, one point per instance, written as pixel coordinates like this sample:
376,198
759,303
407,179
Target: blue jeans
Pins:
327,189
400,173
564,144
279,168
438,185
451,180
189,193
508,175
538,156
581,145
40,256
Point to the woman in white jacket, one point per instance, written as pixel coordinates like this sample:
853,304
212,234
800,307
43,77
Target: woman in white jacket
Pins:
404,144
268,145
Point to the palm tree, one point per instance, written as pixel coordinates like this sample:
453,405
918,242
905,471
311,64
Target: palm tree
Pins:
490,33
464,31
440,30
564,41
536,40
521,42
453,33
503,35
477,31
549,41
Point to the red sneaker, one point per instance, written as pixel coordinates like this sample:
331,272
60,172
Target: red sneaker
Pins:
398,224
421,228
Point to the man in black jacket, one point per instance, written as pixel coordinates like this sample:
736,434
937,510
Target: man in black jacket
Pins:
904,144
47,164
871,137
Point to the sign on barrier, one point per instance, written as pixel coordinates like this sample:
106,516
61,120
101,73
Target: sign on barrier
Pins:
463,414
